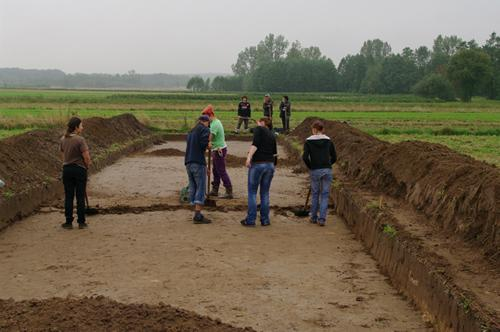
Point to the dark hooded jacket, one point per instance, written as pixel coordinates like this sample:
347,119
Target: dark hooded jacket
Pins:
244,109
268,108
285,109
319,152
197,142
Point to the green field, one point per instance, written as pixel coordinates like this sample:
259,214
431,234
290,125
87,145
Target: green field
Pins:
471,128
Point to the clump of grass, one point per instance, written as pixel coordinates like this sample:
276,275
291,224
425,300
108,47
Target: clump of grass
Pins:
336,184
465,303
8,194
375,205
390,231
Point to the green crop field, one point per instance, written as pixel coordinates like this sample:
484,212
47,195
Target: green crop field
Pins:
470,128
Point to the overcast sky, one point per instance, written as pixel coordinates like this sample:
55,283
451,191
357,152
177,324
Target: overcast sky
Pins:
201,36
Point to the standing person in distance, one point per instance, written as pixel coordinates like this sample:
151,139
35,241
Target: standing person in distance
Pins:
285,113
261,161
219,153
76,161
268,108
319,156
244,114
196,166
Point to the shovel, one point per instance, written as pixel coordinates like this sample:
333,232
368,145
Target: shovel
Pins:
304,212
88,210
208,201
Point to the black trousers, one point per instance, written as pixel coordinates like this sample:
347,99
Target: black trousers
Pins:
75,181
286,123
244,121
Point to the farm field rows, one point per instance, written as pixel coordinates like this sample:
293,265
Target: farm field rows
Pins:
470,128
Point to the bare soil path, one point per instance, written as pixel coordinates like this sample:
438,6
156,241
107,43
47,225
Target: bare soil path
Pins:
292,276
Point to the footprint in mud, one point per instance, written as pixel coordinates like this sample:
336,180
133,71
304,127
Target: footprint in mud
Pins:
58,267
212,308
339,305
94,283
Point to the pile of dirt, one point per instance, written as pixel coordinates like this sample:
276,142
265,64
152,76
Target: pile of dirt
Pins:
33,158
31,162
169,152
234,161
101,314
458,192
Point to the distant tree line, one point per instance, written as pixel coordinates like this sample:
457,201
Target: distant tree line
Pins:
34,78
453,67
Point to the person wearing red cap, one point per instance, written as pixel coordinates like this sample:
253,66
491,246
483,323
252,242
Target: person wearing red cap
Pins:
219,153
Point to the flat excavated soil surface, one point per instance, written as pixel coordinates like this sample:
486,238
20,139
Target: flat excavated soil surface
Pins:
292,276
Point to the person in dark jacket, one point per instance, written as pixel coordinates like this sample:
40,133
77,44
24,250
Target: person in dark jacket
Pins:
319,156
76,160
285,113
196,166
261,161
268,107
244,114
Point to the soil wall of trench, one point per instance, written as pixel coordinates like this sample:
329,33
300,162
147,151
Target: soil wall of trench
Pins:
458,194
31,165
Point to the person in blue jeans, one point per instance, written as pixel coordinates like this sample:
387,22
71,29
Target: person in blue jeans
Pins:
319,156
196,166
261,161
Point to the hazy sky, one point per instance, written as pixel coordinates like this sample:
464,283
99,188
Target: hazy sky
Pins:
199,36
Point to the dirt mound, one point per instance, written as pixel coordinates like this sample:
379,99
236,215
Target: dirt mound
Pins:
459,192
101,314
31,163
33,158
166,153
234,161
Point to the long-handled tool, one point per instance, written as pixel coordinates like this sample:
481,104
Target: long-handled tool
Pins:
88,210
304,212
208,200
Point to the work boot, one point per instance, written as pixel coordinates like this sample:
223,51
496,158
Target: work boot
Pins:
82,225
67,225
215,191
200,219
229,193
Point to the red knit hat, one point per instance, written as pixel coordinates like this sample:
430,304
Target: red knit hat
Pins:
209,110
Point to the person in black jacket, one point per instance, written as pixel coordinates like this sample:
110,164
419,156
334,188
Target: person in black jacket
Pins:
244,114
261,160
285,113
268,107
319,156
198,141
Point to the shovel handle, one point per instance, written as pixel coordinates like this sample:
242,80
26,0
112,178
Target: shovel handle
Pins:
208,173
86,196
307,199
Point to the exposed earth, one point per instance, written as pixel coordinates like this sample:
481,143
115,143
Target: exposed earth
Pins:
290,276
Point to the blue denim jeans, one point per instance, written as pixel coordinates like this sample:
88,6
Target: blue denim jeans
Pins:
260,174
321,181
197,175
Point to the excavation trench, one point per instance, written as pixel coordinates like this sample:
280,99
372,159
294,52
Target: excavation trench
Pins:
144,248
122,209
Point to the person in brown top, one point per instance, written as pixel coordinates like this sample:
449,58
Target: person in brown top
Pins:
76,160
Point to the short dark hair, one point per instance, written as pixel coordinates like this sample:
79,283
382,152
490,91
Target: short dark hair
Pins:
244,97
286,97
318,125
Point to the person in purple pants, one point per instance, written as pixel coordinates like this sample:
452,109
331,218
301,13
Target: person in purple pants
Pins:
219,153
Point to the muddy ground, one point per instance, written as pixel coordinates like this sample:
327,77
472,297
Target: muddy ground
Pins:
290,276
436,213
